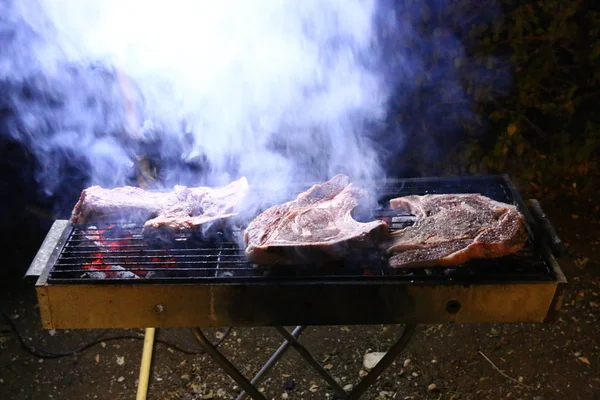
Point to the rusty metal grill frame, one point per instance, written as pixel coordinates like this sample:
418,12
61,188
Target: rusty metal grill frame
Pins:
478,292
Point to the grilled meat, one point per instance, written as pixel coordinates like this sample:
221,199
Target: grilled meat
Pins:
181,209
315,227
452,229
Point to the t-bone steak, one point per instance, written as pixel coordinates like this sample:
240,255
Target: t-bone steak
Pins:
181,209
316,227
452,229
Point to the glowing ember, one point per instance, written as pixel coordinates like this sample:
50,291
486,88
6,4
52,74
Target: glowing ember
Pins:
108,258
97,263
100,233
168,262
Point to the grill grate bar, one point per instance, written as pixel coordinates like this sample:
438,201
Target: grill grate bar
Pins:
146,247
117,255
136,263
106,246
243,267
115,239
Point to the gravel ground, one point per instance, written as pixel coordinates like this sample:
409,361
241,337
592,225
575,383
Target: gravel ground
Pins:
535,361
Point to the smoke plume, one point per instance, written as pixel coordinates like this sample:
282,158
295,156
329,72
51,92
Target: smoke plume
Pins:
277,91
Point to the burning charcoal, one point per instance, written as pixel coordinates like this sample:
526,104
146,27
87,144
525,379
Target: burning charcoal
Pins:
109,236
162,237
119,273
206,235
122,273
94,275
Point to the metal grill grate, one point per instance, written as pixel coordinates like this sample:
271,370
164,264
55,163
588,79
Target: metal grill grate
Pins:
120,252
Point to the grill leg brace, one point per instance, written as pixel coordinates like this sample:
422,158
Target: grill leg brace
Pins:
233,372
312,361
273,360
383,364
291,339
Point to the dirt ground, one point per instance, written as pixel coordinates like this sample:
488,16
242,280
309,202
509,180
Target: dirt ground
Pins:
559,360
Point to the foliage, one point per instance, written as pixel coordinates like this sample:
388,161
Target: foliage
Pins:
546,126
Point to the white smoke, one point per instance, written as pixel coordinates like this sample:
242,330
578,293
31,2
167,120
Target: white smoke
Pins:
282,87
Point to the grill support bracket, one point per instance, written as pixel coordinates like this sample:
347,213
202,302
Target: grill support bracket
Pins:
291,339
273,360
311,360
224,363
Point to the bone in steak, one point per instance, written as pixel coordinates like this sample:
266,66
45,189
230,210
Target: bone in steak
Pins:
315,227
452,229
183,208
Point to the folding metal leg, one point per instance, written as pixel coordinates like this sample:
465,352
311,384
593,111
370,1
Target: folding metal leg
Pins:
249,388
231,370
312,361
383,364
291,339
273,360
369,379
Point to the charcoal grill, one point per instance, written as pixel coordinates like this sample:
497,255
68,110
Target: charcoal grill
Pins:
110,276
